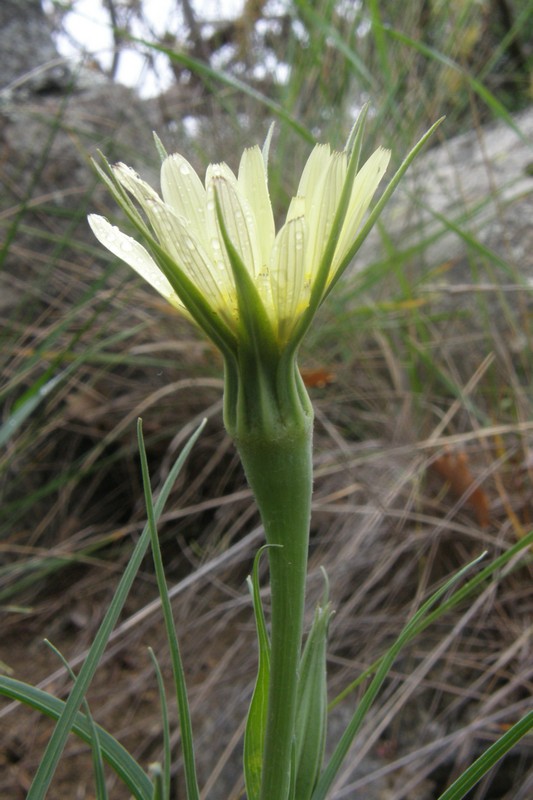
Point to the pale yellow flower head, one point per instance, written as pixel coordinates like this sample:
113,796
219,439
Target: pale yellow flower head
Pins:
185,221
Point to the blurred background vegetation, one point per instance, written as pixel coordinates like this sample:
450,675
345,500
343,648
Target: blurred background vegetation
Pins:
423,397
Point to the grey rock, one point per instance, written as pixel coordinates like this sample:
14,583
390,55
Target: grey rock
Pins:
29,61
471,192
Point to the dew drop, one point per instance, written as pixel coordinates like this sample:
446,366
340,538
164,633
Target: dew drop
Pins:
184,169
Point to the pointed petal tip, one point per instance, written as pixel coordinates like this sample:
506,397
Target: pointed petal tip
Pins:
266,146
176,159
383,157
133,254
98,223
376,163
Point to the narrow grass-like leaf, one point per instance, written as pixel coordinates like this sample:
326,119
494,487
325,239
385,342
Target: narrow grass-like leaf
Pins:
488,759
380,42
209,74
422,619
118,758
473,242
165,772
98,765
175,656
21,414
39,165
158,782
311,712
50,760
497,108
98,762
254,735
64,354
331,34
45,384
418,351
385,664
61,354
464,592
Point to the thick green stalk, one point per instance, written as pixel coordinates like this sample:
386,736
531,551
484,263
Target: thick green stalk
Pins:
278,465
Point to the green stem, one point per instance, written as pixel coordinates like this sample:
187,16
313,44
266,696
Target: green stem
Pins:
278,465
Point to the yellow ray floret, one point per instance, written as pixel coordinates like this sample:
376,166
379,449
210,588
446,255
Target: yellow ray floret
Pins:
186,222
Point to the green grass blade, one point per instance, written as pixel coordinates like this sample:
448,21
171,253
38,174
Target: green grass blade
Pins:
20,415
328,776
118,758
45,385
209,75
315,19
497,108
97,757
311,714
454,388
464,592
380,42
39,167
175,655
165,772
473,242
158,779
488,759
98,762
53,340
45,772
254,735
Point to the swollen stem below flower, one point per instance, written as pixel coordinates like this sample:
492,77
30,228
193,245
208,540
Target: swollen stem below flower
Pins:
279,471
